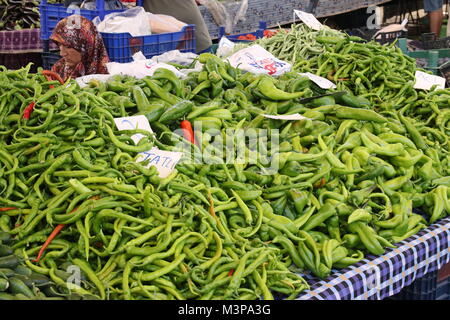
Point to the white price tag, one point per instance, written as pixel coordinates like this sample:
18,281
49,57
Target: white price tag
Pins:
132,123
425,81
295,116
321,82
164,161
308,19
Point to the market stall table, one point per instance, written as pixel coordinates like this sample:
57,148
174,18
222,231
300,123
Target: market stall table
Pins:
376,278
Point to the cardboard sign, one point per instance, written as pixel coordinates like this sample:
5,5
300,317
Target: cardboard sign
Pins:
132,123
320,81
308,19
425,81
164,161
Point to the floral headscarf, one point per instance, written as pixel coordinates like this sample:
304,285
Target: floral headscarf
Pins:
80,34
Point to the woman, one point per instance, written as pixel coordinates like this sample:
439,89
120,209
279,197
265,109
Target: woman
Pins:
81,47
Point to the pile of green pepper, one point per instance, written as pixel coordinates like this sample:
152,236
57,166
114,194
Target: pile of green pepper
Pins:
347,182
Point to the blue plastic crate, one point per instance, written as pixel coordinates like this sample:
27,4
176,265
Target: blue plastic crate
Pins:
49,59
51,14
49,55
122,46
443,290
259,33
424,288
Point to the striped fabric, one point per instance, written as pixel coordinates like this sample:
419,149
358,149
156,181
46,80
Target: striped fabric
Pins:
378,277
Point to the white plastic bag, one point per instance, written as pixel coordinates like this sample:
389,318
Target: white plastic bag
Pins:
222,16
134,21
225,47
161,23
257,60
242,12
175,56
84,80
140,67
219,13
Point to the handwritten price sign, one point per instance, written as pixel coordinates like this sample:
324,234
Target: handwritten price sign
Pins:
425,81
308,19
164,161
132,123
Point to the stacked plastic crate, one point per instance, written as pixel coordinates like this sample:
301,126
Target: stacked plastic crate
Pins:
120,46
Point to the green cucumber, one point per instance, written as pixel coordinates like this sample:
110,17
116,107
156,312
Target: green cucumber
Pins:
17,286
10,261
5,250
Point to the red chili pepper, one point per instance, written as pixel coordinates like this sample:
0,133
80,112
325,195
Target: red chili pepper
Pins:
28,110
51,75
188,132
47,242
7,209
230,273
54,233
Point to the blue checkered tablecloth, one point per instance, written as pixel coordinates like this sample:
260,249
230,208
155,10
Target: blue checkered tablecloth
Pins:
378,277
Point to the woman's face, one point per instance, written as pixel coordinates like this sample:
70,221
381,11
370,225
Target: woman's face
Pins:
70,55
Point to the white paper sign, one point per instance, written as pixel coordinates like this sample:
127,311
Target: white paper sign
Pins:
164,161
321,82
309,20
295,116
425,81
255,59
132,123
